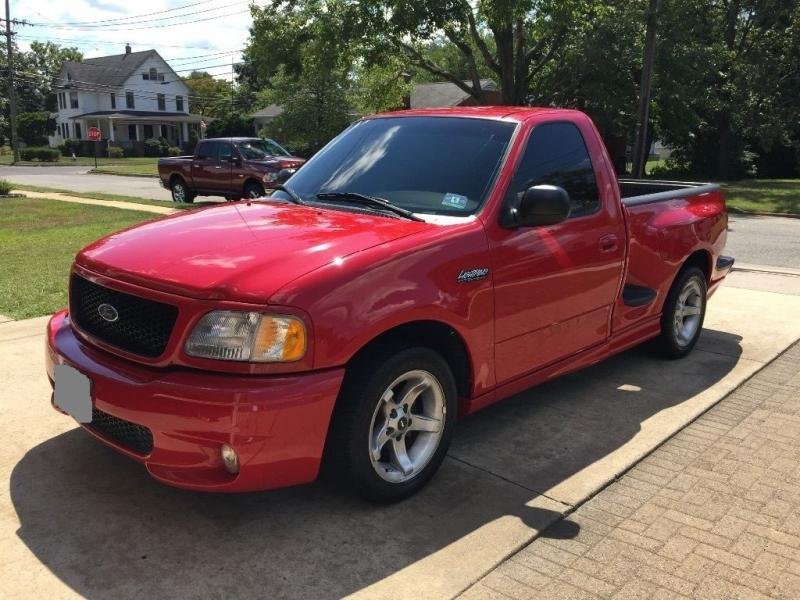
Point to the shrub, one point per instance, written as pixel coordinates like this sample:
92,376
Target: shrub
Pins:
156,147
69,146
43,154
115,152
5,187
174,151
5,150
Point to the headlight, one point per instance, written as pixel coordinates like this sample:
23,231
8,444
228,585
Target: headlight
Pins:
248,336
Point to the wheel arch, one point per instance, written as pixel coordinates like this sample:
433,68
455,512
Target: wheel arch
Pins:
702,259
175,176
436,335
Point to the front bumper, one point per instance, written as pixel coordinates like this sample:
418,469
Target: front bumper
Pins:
277,424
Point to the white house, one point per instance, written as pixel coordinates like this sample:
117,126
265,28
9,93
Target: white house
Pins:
130,97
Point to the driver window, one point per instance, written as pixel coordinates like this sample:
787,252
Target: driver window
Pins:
556,155
225,152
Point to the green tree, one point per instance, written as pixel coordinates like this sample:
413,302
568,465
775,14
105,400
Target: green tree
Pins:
34,127
210,97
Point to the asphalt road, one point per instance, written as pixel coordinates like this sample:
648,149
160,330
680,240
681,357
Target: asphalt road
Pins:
766,241
78,179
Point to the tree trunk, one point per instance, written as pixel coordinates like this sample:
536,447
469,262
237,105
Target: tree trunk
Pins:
724,156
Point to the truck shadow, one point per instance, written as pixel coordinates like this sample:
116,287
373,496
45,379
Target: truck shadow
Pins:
101,525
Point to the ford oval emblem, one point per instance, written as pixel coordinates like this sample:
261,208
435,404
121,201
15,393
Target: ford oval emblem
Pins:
107,312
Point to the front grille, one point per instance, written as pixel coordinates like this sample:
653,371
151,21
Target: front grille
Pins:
142,326
134,437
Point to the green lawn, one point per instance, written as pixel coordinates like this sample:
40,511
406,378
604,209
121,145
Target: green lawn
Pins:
102,196
764,195
39,239
124,166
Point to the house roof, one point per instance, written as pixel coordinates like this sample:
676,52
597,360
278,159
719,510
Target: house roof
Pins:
107,70
273,110
145,115
433,95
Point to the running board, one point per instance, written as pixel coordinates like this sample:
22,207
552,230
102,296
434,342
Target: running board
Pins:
637,295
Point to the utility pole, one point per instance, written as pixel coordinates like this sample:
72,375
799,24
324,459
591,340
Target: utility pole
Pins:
640,148
12,95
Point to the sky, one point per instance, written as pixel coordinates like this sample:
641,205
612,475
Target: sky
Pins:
103,27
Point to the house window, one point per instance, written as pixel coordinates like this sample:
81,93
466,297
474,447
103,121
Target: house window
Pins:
148,132
77,131
153,75
59,101
132,133
161,77
129,100
162,102
145,76
73,99
179,103
113,101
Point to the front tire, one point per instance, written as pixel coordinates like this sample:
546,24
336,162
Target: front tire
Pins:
181,193
684,313
393,423
253,190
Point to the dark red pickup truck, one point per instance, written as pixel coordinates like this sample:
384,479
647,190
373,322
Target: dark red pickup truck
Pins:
422,266
234,168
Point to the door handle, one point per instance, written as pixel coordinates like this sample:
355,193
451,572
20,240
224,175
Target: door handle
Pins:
608,243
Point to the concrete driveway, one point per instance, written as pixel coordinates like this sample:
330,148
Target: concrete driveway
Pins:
78,179
76,519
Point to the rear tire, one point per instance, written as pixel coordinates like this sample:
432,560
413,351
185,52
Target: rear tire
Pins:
181,193
683,314
392,424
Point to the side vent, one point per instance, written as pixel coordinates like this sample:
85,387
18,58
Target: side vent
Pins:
637,295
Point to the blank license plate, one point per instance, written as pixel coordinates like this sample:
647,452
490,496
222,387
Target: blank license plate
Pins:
73,393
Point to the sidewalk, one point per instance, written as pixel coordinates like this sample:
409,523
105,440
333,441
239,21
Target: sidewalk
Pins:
161,210
712,513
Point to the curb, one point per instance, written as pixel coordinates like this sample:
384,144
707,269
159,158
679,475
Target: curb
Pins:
104,172
786,271
749,213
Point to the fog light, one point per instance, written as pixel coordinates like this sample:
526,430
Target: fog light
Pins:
230,459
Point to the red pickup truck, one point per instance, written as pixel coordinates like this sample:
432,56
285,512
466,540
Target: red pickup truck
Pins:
423,265
234,168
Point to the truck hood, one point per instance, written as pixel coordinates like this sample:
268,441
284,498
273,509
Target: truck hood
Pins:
241,252
279,162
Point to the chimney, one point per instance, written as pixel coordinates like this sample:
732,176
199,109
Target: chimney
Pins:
127,48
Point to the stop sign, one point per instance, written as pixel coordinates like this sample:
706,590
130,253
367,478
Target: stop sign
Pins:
94,134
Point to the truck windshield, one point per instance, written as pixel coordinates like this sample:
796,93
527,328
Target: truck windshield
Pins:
435,165
258,149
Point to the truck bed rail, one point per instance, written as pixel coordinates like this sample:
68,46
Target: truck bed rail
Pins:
644,191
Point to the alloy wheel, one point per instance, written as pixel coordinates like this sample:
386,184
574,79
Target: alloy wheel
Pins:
407,426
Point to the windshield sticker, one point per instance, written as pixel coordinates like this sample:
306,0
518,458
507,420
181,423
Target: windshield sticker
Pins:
455,201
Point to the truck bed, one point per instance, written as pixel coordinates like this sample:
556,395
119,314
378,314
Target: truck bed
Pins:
644,191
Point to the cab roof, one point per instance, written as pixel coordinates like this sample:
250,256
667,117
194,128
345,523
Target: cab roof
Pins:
513,113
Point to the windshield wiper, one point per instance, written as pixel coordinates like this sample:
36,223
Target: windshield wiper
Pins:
373,201
294,197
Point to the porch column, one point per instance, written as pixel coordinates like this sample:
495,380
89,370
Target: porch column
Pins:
111,130
139,134
184,133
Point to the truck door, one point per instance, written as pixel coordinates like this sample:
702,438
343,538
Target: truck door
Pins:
555,285
204,165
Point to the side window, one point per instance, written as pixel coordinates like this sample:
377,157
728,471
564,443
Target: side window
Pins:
556,155
207,151
224,150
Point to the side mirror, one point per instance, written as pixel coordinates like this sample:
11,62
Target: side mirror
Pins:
284,175
541,205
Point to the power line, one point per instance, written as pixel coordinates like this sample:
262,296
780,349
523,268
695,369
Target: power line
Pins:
160,12
50,26
104,25
42,38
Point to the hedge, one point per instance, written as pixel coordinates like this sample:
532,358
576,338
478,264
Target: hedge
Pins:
43,154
